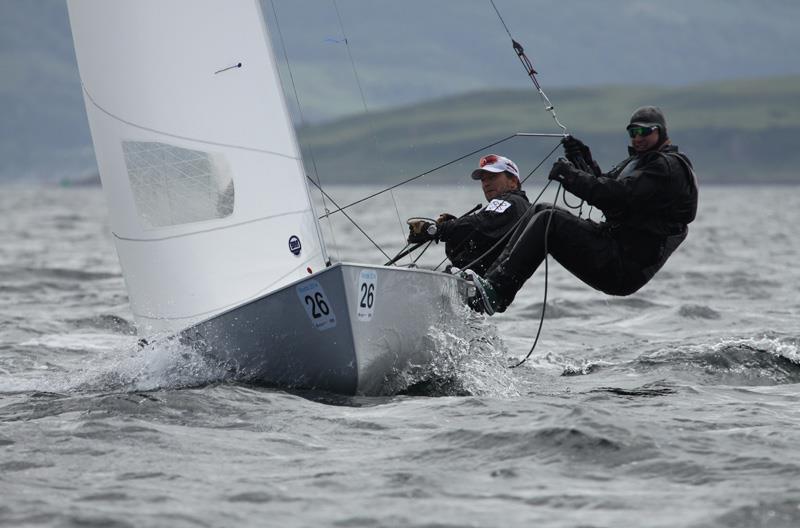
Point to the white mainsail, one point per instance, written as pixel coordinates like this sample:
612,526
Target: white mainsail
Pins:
208,198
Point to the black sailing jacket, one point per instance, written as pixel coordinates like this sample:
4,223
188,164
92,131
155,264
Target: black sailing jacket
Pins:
467,238
648,198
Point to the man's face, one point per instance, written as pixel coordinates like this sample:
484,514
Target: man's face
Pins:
496,183
641,143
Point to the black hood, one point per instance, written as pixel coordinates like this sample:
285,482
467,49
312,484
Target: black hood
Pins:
651,116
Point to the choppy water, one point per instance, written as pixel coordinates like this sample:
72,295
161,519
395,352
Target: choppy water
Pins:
678,406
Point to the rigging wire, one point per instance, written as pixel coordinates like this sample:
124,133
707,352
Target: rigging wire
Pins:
366,109
439,167
549,107
526,63
351,220
303,123
422,252
341,209
540,164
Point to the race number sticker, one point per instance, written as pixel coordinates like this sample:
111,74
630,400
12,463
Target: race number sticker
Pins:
367,286
317,306
497,206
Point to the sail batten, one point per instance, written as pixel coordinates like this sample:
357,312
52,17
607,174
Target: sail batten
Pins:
208,199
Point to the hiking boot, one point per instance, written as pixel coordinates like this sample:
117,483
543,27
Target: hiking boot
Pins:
487,300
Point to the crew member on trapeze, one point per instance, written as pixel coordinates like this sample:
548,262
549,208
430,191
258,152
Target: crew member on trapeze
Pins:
648,200
469,240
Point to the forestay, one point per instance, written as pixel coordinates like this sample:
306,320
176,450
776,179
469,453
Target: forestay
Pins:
207,195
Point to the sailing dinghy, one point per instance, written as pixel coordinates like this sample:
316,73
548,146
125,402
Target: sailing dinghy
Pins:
210,210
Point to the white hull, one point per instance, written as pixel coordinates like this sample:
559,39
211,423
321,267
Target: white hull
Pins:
349,329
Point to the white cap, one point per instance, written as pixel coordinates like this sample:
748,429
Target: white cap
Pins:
495,163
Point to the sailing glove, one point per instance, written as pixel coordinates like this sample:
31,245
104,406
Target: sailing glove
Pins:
564,172
444,217
580,155
421,231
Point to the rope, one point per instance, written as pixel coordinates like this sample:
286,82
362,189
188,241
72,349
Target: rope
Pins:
546,282
568,205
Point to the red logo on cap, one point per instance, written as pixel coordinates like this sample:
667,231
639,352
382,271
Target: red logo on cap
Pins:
488,160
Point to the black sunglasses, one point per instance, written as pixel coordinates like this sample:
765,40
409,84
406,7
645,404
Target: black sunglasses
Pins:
641,131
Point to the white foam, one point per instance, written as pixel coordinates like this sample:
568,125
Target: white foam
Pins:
772,345
111,362
470,355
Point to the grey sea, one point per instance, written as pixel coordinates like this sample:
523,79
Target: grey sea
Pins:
677,406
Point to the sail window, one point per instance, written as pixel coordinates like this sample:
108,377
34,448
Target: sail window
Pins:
173,185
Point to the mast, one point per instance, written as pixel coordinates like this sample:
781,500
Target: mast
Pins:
208,199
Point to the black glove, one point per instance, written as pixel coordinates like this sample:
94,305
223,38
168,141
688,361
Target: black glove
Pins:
563,171
579,154
421,230
444,217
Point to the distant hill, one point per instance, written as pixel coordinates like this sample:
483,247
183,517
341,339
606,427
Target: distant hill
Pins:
735,132
743,131
409,52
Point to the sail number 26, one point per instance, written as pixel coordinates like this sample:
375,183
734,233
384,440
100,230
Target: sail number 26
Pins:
367,294
317,305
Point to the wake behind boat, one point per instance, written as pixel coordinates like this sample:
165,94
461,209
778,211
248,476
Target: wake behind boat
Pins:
210,209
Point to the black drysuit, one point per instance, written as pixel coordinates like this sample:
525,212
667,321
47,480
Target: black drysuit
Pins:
648,200
469,237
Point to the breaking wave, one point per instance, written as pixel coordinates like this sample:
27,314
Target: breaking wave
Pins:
752,361
765,360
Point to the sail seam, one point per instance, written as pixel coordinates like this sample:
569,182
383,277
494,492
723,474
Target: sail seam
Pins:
209,230
177,136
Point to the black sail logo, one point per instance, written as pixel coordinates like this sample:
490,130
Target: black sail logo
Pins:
294,245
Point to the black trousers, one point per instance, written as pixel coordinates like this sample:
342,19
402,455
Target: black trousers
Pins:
595,254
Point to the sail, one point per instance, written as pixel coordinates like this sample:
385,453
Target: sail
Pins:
208,199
